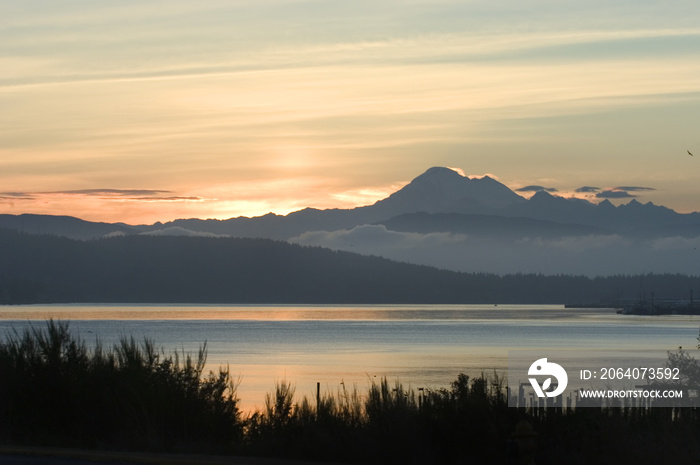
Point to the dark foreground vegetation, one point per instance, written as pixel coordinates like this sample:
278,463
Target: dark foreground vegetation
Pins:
141,269
56,392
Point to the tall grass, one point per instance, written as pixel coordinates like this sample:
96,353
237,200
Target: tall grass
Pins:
388,424
469,422
56,391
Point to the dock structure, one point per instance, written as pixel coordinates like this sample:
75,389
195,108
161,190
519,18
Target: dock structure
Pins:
654,306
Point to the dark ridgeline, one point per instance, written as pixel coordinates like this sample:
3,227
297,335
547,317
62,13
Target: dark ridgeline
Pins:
443,201
149,269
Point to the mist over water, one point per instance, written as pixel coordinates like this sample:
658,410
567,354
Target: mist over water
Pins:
589,255
421,345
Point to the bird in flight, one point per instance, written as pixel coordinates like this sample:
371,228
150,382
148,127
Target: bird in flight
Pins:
690,153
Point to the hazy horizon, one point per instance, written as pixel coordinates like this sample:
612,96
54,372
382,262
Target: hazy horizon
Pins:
617,195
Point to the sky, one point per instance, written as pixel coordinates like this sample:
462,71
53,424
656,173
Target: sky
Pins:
155,110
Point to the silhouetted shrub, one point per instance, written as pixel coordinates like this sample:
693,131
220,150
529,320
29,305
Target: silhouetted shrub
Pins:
469,422
54,391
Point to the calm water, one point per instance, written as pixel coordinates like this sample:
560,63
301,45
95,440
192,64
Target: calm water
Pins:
424,346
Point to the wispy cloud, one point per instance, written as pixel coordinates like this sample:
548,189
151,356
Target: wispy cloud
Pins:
376,237
105,194
634,188
535,188
619,192
591,255
179,231
113,192
425,49
460,171
16,196
96,196
614,194
587,189
130,194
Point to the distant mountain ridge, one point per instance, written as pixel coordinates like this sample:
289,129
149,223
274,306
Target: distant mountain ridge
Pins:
445,220
64,226
442,190
437,191
633,217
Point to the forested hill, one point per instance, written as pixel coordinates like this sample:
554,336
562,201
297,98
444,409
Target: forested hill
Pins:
146,269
